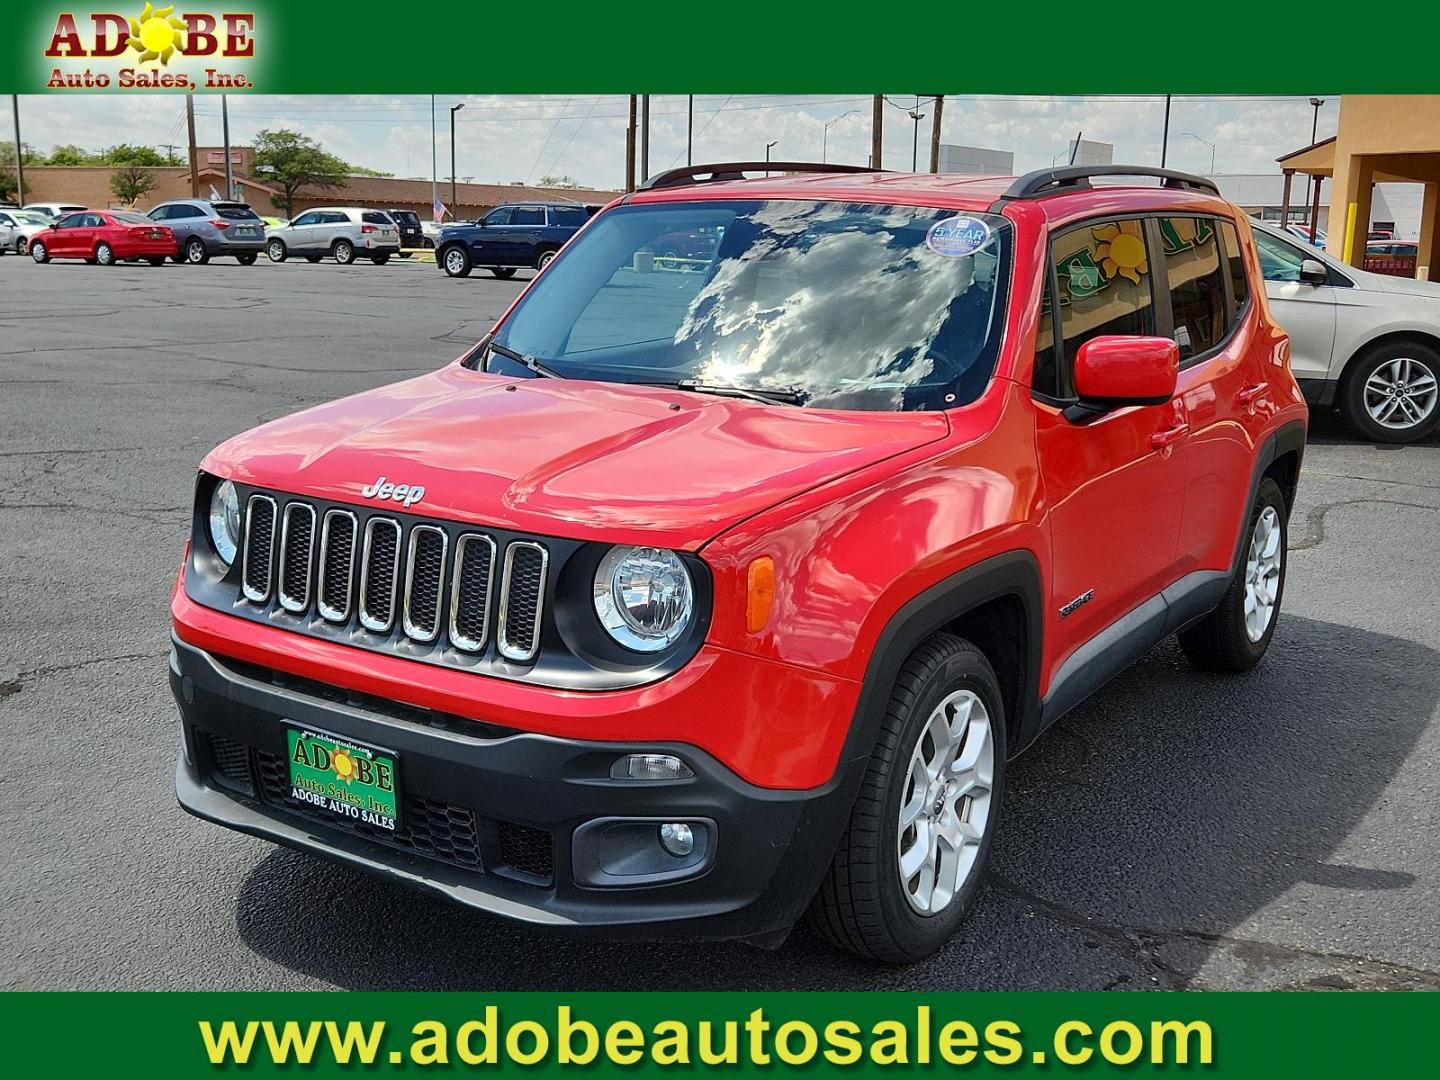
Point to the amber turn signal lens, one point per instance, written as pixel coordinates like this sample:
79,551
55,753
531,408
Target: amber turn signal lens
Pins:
761,594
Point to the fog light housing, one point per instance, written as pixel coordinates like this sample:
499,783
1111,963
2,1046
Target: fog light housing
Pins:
677,838
650,767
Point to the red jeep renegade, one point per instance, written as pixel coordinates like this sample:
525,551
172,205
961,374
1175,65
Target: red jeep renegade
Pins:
706,591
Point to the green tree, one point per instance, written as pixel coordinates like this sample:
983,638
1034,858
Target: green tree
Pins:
71,155
130,182
361,170
125,154
291,161
566,181
8,184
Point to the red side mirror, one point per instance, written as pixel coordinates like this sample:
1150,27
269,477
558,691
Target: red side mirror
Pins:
1121,370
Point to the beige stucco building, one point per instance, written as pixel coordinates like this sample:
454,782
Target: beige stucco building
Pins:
1381,138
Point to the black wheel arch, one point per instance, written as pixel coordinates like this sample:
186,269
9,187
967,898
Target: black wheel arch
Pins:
997,605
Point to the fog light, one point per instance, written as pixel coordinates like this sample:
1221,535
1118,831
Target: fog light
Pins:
677,839
650,767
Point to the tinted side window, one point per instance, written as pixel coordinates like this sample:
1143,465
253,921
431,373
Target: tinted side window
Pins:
528,215
1197,289
1279,261
375,217
160,213
70,221
185,210
1239,276
1104,272
311,218
568,215
334,217
498,217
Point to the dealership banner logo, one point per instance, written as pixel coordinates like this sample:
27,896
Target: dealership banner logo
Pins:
152,48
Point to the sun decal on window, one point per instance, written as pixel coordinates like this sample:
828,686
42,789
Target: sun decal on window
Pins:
1120,249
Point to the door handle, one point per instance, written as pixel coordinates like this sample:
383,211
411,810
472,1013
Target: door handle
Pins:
1252,393
1162,439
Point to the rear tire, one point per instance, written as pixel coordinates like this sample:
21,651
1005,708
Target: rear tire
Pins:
195,253
380,260
455,261
312,258
504,273
1392,393
104,254
546,258
276,251
157,262
934,781
1236,634
247,260
343,252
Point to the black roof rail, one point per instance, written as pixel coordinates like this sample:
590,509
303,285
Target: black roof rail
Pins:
736,170
1041,182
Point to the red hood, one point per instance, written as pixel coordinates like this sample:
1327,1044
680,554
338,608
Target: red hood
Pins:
566,458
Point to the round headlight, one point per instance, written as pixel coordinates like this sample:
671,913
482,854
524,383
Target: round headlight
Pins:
225,521
644,597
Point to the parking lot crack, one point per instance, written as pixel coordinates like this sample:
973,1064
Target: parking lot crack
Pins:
1315,518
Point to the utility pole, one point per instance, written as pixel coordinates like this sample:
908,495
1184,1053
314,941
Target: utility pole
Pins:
454,198
194,158
434,170
225,126
1165,138
935,133
877,124
644,137
690,131
1310,180
630,148
19,154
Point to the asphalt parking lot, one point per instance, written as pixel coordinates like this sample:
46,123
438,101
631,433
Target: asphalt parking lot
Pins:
1268,831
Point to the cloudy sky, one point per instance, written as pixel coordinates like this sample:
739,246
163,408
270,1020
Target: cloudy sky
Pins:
505,138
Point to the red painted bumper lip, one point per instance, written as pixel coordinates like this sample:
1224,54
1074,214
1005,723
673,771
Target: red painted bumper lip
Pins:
773,724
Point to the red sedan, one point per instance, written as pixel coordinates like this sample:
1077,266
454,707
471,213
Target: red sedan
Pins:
104,237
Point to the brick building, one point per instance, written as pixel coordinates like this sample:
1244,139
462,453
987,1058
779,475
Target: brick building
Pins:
90,185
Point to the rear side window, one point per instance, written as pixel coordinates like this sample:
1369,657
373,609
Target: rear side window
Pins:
376,217
236,212
1197,284
568,215
185,210
528,215
1104,277
1239,277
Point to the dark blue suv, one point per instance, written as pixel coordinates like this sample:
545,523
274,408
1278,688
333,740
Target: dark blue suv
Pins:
509,237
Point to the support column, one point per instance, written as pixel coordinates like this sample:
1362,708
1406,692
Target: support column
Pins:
1285,198
1353,179
1429,233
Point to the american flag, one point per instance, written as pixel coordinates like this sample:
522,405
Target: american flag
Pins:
439,209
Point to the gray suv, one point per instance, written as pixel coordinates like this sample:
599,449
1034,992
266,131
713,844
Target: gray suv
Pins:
204,228
345,233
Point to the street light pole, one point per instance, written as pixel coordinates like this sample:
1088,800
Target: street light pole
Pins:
825,136
19,154
1208,143
1310,180
434,168
225,129
917,116
454,198
690,130
768,145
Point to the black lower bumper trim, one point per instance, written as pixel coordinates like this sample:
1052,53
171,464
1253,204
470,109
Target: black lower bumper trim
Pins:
487,816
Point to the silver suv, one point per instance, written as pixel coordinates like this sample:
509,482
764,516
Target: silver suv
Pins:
203,228
342,232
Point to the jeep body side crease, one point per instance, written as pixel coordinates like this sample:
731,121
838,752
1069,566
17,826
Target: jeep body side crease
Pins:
718,583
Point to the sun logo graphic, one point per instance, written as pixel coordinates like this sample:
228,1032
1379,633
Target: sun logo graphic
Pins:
157,34
344,765
1121,250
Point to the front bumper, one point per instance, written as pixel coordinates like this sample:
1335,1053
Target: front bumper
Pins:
520,825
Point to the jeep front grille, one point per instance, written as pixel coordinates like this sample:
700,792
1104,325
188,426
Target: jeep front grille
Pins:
416,584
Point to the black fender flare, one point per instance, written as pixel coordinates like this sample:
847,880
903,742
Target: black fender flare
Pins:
1013,574
1288,438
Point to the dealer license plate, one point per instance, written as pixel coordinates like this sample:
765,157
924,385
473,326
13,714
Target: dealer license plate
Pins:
342,778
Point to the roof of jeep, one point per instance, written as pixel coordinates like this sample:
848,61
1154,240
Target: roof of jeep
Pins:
945,190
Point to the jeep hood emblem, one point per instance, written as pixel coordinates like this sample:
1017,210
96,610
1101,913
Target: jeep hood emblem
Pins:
405,494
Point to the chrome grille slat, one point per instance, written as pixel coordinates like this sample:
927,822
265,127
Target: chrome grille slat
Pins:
424,582
334,593
522,600
297,556
259,552
471,585
380,574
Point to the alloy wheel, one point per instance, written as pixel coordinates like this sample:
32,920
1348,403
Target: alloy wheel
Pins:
946,804
104,255
1401,393
1262,573
454,261
37,251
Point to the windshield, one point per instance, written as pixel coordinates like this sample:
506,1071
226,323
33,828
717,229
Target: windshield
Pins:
838,305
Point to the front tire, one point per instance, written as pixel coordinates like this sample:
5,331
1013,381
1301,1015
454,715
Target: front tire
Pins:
104,254
38,251
455,261
343,252
545,260
195,253
909,865
1236,634
276,251
247,260
1392,394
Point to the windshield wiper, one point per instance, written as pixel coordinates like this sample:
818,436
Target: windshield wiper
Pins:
528,362
769,395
